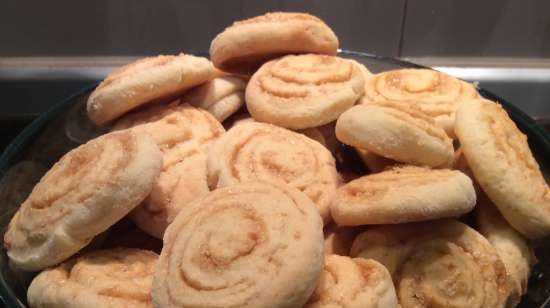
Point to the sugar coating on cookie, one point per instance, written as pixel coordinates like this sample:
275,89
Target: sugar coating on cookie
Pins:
403,194
442,263
436,94
500,158
222,96
86,191
257,244
145,81
183,134
258,151
302,91
396,131
353,283
119,277
247,44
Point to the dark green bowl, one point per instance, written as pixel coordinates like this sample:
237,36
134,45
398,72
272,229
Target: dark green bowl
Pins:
65,126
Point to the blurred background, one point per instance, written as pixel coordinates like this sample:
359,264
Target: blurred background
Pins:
50,49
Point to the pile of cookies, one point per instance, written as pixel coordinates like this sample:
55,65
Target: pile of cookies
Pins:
231,163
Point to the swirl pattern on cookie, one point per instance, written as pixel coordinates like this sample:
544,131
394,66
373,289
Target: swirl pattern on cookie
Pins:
303,91
513,249
119,277
396,131
222,96
437,264
403,194
353,283
500,158
436,94
144,81
255,244
88,190
247,44
183,134
258,151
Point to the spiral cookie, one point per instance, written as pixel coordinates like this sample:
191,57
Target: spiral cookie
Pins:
513,249
396,131
250,245
182,132
244,46
500,158
113,278
222,96
436,94
403,194
88,190
437,264
303,91
254,151
353,283
144,81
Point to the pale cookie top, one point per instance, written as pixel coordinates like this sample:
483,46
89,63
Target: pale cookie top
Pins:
353,283
255,244
84,193
245,45
254,151
442,263
500,158
114,278
302,91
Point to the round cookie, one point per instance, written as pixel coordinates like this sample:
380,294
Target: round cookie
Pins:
222,96
253,151
247,44
255,244
513,249
145,81
111,278
86,191
353,283
502,163
440,263
404,194
302,91
396,131
436,94
183,134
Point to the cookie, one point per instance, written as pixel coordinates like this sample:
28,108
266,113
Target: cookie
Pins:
404,194
502,163
375,163
119,277
254,151
513,249
353,283
247,44
441,263
86,191
255,244
396,131
183,134
436,94
222,96
145,81
338,239
302,91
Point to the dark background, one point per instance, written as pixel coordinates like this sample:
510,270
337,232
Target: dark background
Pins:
465,28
